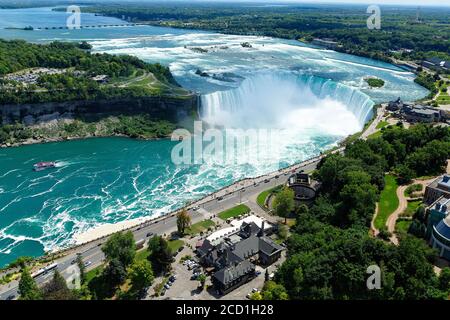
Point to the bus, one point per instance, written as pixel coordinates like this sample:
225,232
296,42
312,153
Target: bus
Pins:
45,270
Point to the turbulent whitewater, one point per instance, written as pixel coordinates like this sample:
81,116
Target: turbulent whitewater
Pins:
311,97
289,101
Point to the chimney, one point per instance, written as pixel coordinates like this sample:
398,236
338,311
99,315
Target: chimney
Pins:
261,232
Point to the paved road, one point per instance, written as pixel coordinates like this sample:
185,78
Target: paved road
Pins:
211,205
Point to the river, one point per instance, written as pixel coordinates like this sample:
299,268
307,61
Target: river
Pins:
309,96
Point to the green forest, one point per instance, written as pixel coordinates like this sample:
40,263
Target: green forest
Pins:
76,81
330,247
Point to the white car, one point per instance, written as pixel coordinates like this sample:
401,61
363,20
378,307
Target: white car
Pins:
87,263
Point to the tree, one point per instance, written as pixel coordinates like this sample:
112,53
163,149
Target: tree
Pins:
28,288
57,289
160,254
274,291
141,274
282,231
82,268
114,273
183,221
444,280
256,296
121,247
284,203
202,280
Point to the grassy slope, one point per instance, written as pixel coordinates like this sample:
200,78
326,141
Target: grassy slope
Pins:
388,201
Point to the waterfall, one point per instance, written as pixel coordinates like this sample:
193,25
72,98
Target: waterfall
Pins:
272,100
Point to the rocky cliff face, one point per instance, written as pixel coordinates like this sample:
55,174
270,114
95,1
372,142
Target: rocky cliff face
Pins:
170,108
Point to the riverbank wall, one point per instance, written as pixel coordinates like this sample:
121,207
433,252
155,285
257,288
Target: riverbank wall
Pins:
173,109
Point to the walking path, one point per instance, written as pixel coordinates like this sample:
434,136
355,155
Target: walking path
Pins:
403,204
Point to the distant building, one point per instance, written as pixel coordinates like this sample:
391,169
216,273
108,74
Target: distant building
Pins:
436,64
395,105
233,256
438,188
327,43
419,113
101,78
438,226
305,189
437,211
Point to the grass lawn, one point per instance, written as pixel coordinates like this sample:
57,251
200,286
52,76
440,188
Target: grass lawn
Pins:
402,226
174,245
200,226
234,212
141,254
374,135
411,208
382,124
261,199
388,201
93,273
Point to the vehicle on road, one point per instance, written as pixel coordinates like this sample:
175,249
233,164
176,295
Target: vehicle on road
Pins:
266,181
45,270
195,208
150,234
11,297
87,264
219,198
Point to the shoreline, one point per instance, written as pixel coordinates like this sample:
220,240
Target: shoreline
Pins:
102,231
30,142
107,229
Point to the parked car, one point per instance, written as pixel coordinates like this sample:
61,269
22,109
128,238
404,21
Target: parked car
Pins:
172,278
254,290
258,273
166,286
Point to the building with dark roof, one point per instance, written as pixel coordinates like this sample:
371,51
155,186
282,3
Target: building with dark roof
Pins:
395,105
419,113
234,258
232,277
305,189
438,188
436,64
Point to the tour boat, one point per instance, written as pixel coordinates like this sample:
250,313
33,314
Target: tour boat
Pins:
44,165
